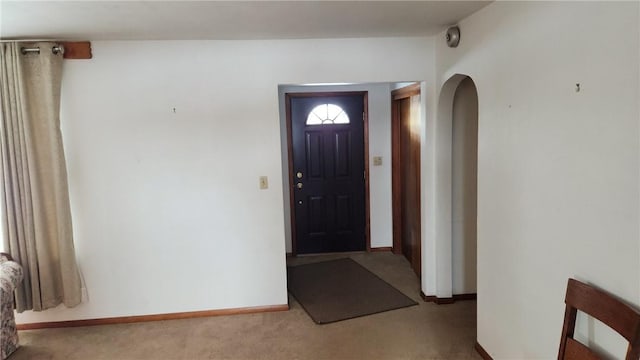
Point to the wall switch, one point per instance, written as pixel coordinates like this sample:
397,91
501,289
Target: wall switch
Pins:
264,182
377,160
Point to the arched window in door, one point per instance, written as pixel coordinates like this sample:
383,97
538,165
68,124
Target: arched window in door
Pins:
327,114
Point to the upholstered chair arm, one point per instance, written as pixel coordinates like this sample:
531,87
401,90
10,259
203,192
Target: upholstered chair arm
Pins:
10,276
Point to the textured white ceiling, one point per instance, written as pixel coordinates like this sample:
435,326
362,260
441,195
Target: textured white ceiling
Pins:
182,20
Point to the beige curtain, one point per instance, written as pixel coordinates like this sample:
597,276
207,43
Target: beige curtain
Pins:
35,199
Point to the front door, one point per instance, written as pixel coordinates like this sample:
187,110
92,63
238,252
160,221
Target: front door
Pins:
328,178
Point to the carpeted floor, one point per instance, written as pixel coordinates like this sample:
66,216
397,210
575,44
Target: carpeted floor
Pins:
425,331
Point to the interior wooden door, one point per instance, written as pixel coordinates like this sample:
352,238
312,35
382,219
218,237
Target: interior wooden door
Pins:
406,175
328,178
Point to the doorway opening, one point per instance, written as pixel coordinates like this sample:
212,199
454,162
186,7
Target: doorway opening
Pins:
456,188
378,161
464,185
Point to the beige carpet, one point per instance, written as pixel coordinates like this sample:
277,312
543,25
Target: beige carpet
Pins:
425,331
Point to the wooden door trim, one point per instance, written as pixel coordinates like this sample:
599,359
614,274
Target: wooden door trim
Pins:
396,168
367,220
405,92
292,214
396,215
365,119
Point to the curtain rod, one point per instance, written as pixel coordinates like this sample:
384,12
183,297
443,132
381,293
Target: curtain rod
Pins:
56,49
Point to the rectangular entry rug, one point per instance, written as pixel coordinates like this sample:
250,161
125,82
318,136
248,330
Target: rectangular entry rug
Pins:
335,290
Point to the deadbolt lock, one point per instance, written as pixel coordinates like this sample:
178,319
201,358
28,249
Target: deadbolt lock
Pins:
299,175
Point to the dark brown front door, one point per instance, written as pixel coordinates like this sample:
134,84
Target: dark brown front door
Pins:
328,184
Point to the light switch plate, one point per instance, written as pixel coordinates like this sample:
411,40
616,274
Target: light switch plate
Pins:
377,160
264,182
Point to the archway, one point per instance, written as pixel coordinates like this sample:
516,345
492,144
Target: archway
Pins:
456,188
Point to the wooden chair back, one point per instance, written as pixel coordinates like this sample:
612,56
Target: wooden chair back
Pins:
612,312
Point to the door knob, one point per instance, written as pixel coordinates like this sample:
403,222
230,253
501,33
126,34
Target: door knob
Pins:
300,202
299,185
299,175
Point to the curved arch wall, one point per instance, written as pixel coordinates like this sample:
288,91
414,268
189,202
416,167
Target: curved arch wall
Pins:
558,169
454,193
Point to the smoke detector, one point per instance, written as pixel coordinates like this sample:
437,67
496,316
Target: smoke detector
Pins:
453,36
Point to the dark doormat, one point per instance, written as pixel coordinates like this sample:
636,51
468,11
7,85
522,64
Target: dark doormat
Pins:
342,289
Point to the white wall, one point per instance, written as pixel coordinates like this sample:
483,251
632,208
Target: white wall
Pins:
464,156
167,212
379,112
558,181
400,85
